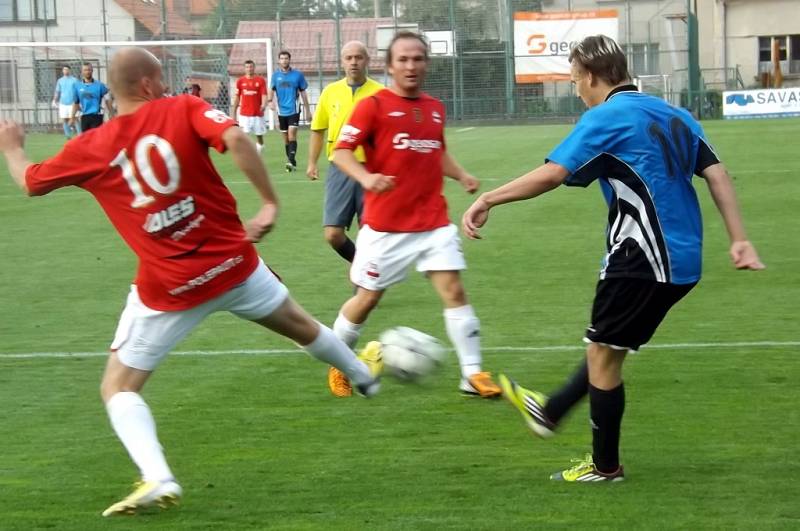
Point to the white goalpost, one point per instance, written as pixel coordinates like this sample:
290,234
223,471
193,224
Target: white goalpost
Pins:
29,71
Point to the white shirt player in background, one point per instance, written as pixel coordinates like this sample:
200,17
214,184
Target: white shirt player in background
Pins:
251,92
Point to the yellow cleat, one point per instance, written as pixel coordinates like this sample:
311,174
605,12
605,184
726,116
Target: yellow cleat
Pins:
163,494
531,406
480,384
372,355
585,471
338,383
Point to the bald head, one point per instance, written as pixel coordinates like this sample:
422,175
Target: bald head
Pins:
355,60
135,73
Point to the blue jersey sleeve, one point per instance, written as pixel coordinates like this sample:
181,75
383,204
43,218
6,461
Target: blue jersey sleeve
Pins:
301,81
103,90
587,141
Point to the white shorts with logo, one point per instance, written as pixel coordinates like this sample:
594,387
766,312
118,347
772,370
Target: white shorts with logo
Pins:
144,336
253,124
64,111
383,258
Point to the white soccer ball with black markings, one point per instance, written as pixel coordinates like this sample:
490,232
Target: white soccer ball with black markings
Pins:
409,354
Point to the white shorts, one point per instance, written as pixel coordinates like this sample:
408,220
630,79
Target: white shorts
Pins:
382,258
64,111
144,336
253,124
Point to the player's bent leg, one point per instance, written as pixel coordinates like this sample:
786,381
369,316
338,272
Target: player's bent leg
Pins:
292,321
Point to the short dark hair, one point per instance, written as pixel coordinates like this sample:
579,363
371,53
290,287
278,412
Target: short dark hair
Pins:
88,64
284,52
250,62
67,67
405,35
603,57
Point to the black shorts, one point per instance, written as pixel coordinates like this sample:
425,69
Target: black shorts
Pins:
285,122
91,121
627,311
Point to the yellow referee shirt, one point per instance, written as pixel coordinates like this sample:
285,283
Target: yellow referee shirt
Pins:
334,107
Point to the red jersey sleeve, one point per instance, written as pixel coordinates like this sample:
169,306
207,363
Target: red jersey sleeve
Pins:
71,166
209,123
239,86
359,126
262,90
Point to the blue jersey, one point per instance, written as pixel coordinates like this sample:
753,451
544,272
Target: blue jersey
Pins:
65,88
644,151
90,95
287,85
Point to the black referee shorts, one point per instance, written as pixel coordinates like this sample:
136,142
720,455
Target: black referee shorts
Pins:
91,121
627,311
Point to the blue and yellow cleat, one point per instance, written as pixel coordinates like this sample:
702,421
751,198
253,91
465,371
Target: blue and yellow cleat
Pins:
372,356
530,404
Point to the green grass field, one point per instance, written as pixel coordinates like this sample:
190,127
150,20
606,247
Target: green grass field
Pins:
710,434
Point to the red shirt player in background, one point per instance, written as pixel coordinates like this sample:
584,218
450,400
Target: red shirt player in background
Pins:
251,90
405,214
149,168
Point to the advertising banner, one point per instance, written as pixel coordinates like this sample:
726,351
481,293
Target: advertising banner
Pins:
542,41
762,103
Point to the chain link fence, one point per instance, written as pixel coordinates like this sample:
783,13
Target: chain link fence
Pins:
471,70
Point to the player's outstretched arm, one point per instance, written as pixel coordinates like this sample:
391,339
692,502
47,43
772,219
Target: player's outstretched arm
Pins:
451,168
346,161
541,180
247,159
742,252
12,145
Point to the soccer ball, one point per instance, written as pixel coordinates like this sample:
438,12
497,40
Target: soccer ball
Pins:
409,354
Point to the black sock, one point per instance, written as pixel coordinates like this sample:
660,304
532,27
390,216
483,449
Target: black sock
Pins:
292,152
607,408
569,394
347,250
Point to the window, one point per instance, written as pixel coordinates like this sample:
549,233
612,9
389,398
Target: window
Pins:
788,53
8,89
643,59
16,11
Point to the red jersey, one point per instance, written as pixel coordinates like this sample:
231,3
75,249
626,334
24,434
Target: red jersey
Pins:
250,92
403,137
152,175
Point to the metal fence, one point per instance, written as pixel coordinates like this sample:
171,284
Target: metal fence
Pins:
474,77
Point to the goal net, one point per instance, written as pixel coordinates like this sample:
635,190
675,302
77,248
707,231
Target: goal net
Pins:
29,72
658,85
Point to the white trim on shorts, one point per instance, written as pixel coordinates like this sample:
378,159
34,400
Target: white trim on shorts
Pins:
144,336
64,111
383,258
253,124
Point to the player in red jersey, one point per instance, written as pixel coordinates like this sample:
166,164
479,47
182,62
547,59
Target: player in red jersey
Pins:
150,170
251,91
405,214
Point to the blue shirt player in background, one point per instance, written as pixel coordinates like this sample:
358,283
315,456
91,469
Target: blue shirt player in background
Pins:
643,151
88,98
63,98
285,86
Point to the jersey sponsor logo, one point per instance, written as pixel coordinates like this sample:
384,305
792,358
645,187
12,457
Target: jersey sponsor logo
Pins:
349,133
247,92
404,141
437,118
215,115
169,216
209,275
396,114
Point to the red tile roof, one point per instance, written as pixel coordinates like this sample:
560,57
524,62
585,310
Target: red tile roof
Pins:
148,13
312,43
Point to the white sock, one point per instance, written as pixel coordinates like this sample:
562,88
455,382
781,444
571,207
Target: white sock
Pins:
259,147
463,329
132,421
347,331
330,349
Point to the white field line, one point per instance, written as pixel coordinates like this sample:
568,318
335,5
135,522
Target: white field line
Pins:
464,130
551,348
